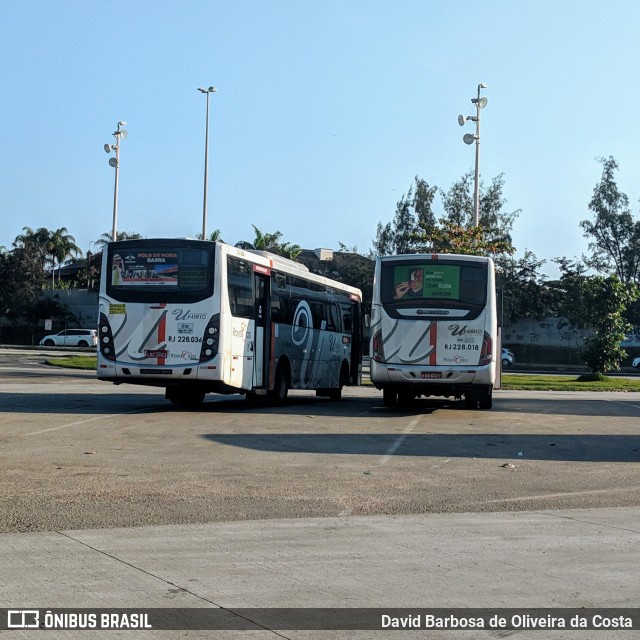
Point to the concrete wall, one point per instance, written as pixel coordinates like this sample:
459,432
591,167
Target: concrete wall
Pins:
550,332
82,303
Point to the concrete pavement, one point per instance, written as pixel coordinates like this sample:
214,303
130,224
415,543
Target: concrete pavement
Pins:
575,558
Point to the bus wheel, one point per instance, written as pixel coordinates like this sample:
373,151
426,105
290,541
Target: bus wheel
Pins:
486,400
389,398
336,394
281,386
405,399
470,400
184,397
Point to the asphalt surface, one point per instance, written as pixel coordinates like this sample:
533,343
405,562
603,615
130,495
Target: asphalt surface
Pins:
110,497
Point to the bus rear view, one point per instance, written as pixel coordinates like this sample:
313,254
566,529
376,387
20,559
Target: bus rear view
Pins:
434,328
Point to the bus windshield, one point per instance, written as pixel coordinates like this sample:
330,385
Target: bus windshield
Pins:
434,284
160,271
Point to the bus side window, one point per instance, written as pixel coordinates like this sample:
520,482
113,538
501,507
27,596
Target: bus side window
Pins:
239,276
333,323
346,321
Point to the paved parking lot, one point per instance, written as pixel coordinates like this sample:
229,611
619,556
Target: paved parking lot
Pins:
130,502
78,453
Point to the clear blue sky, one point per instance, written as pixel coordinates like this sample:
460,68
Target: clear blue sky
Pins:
325,112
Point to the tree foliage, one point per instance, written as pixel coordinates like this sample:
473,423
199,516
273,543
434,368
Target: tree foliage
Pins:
606,299
264,241
526,293
105,238
21,281
417,228
614,235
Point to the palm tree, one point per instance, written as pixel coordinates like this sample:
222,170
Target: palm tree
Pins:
105,238
214,236
31,239
271,242
61,245
262,241
35,242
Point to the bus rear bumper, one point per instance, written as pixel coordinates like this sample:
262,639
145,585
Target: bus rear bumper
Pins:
433,381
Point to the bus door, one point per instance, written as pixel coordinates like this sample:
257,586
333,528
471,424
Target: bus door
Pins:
356,344
262,334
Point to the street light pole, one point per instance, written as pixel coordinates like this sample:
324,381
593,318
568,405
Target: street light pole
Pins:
119,134
207,92
468,138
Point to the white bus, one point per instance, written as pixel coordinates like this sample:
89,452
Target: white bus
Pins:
434,328
196,317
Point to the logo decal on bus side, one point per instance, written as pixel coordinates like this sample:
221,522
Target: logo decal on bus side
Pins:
182,314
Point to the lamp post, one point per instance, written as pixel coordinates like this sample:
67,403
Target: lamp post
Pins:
469,138
207,92
119,134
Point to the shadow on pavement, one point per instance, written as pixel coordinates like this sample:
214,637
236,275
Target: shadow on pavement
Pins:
303,403
571,448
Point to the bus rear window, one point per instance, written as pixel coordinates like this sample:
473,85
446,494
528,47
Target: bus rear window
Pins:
158,271
434,284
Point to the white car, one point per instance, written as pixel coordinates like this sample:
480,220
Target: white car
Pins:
636,363
71,338
508,358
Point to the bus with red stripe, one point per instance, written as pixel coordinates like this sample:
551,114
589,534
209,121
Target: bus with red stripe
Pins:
196,317
434,328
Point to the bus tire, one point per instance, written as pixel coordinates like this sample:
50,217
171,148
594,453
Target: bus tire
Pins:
470,400
184,397
336,394
281,385
405,399
486,400
389,398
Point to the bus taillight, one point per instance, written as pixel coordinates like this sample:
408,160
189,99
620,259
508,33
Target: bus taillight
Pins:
210,339
105,338
486,355
378,347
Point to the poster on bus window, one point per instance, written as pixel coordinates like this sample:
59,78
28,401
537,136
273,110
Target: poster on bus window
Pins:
428,281
144,268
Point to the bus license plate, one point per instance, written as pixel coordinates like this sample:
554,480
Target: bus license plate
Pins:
431,375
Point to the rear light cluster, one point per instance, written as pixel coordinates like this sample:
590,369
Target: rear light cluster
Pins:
210,339
378,347
105,338
486,355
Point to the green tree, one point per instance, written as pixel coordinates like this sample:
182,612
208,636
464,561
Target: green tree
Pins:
416,227
21,281
414,211
214,236
35,242
525,291
105,238
270,242
614,235
61,245
606,299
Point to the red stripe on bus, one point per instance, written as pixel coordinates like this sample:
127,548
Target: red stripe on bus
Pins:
162,331
433,340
